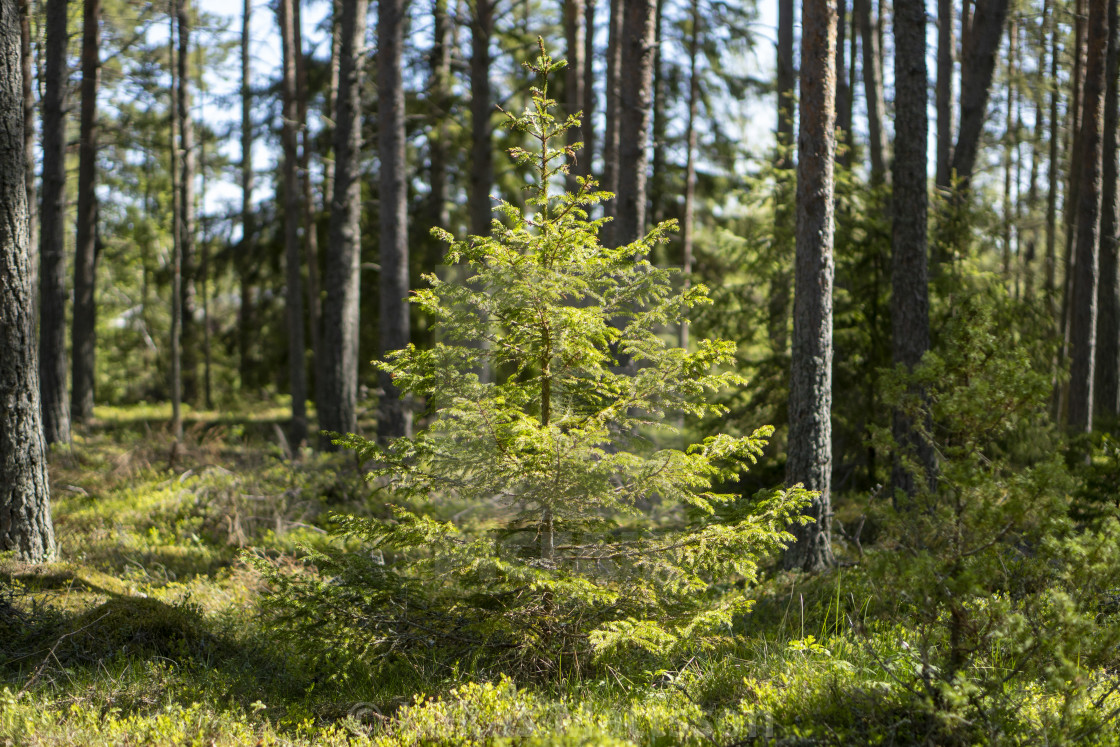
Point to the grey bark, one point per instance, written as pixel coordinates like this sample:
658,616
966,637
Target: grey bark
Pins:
946,102
873,90
297,371
83,326
635,110
1084,306
810,399
395,419
338,410
909,269
1107,383
25,519
52,239
482,151
28,91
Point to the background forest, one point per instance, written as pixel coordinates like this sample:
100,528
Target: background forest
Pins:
575,372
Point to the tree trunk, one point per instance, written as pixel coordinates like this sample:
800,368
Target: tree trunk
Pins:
176,382
338,410
574,79
297,373
588,155
482,151
190,343
843,91
310,230
440,87
1108,322
1009,136
28,92
690,158
25,518
909,270
810,399
84,329
978,64
946,102
395,419
332,99
635,102
1051,283
611,124
245,333
658,176
1084,307
873,87
52,239
778,298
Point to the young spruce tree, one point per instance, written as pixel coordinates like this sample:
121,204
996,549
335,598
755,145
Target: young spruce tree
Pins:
600,540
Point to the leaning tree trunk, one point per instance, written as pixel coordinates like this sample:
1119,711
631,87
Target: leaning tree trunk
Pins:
810,397
1083,319
25,518
52,238
946,103
635,101
297,373
394,419
977,66
83,327
1107,383
873,87
482,151
778,298
338,410
914,464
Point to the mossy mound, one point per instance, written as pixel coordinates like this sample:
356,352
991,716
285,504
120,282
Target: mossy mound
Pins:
139,625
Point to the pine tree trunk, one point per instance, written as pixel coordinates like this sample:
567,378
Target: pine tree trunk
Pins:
635,102
843,90
28,90
190,343
690,158
440,82
245,332
1084,307
310,229
1050,282
810,400
176,382
395,419
574,78
83,327
1009,145
588,127
977,66
946,102
873,88
297,372
778,298
52,238
338,410
25,519
909,272
1107,382
611,125
482,151
660,105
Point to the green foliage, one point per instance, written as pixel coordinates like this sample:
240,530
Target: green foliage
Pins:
599,541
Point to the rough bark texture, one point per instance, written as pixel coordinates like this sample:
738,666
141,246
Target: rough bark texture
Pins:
977,66
297,372
248,222
574,78
1083,321
873,90
1107,384
778,298
810,399
188,164
338,410
52,237
946,102
482,151
611,94
909,269
394,419
635,102
25,520
83,328
28,91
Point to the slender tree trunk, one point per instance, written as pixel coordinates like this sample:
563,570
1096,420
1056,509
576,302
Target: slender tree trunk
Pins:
246,333
612,96
946,102
176,236
660,105
843,91
1050,283
25,518
635,102
395,419
84,328
873,87
978,64
190,343
28,91
810,400
1084,308
338,410
1107,383
574,79
332,99
1010,136
439,85
690,158
52,239
779,294
482,151
909,270
588,155
297,372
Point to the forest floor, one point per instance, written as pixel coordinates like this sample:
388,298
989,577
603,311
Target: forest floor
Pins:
148,629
